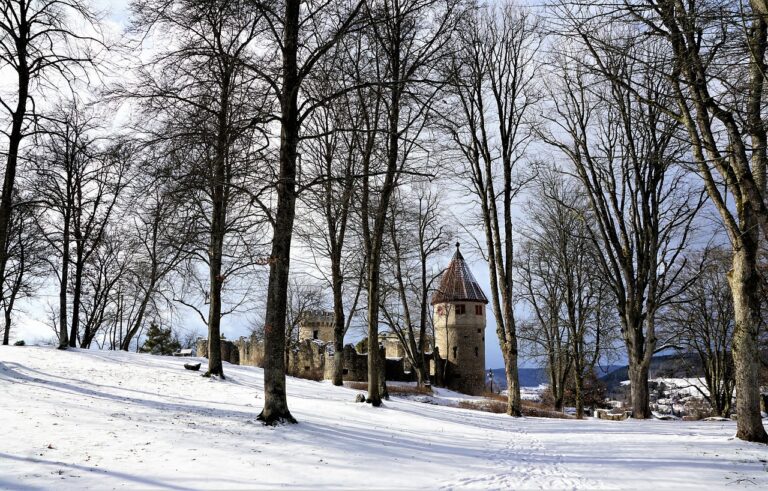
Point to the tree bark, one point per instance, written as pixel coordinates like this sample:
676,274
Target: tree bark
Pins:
275,399
77,291
14,141
63,336
639,394
338,323
745,287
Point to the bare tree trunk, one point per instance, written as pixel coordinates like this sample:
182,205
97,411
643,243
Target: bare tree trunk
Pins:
215,366
338,323
579,390
639,360
275,400
14,141
745,287
125,342
63,336
77,293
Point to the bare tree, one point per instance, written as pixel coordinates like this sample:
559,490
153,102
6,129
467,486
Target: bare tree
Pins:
712,56
494,93
47,44
303,37
702,321
569,296
78,181
159,234
409,39
25,259
332,159
418,234
627,156
208,106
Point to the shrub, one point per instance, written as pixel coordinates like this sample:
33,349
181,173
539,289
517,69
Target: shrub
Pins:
485,406
356,385
394,389
407,390
499,406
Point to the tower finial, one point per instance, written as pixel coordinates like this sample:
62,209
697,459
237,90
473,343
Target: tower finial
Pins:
457,246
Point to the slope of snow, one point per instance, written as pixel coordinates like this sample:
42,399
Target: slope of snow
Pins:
105,420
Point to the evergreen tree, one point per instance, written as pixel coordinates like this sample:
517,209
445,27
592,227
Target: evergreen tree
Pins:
160,341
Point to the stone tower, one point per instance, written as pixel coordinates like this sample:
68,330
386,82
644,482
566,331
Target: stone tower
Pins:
316,325
459,311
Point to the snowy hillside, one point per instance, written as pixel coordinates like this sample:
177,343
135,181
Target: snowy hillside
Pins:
106,420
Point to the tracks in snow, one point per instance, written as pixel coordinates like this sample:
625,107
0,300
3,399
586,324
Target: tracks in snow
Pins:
523,462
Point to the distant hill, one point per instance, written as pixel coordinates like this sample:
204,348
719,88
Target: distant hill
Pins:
533,377
668,366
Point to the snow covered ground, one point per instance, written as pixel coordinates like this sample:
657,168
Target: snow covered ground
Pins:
105,420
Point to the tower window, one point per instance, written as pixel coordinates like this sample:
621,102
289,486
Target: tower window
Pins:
455,351
478,330
478,310
477,352
461,309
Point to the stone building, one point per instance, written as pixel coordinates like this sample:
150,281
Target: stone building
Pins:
459,322
316,325
459,318
393,348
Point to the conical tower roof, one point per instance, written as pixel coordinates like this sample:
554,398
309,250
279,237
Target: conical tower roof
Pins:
458,284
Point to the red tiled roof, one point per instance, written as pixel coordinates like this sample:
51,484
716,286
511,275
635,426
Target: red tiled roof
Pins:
457,283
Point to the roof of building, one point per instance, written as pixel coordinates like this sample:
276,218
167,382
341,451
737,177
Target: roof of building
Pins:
458,284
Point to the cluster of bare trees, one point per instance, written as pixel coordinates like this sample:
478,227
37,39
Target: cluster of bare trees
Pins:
256,129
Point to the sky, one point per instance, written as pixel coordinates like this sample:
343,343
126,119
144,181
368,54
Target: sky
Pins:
33,314
33,327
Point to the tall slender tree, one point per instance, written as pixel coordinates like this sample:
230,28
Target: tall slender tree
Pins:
302,37
494,88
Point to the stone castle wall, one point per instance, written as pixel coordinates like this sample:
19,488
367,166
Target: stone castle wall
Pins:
229,350
313,359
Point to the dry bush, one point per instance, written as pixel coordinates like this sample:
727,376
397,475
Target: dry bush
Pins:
498,404
356,385
485,406
407,390
396,390
494,396
544,413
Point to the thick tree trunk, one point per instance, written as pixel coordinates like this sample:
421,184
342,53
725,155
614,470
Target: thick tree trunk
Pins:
579,392
275,399
338,322
374,362
8,319
638,385
215,366
514,407
745,286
